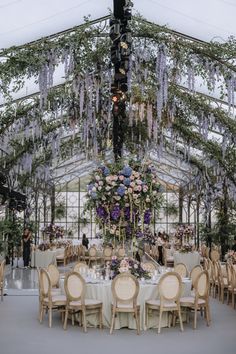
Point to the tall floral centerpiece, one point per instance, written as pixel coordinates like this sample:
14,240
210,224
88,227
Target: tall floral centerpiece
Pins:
124,197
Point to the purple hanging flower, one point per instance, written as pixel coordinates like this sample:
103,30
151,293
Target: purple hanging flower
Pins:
147,217
127,213
105,170
101,212
115,213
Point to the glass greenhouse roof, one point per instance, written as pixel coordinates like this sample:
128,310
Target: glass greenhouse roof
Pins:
22,21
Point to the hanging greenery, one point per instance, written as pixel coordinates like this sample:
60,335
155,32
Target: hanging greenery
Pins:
165,111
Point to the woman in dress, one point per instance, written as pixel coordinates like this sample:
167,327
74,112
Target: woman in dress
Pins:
85,241
26,246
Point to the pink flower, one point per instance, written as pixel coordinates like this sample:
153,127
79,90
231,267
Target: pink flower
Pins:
132,184
139,188
130,190
121,178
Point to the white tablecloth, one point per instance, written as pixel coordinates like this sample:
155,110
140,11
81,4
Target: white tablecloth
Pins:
43,258
102,291
190,259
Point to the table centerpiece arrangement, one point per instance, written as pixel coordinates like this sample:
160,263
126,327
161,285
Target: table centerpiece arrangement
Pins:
129,265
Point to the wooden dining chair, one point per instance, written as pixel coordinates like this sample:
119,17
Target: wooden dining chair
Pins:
79,266
76,302
169,288
107,254
120,253
200,300
181,269
50,301
125,290
54,275
194,273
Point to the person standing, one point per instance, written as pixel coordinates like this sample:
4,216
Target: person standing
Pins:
85,241
26,239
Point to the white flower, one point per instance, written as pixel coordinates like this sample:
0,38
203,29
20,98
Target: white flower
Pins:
97,178
100,183
99,188
94,189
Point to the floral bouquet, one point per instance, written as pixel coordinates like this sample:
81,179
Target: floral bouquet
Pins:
124,197
44,246
186,248
53,231
128,265
231,255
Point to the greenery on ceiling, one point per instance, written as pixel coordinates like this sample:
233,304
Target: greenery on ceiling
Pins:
165,112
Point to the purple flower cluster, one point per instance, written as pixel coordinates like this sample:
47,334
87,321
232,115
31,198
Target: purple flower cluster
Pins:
147,217
101,212
115,213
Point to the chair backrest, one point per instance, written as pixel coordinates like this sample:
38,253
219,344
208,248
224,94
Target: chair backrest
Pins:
79,266
181,269
74,287
170,286
215,255
46,285
215,270
149,266
233,276
147,247
107,252
155,252
194,273
92,251
205,263
125,288
201,285
121,252
54,274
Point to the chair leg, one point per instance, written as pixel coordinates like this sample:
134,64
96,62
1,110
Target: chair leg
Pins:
146,316
100,318
195,318
41,314
2,290
66,318
136,320
180,319
112,320
160,319
207,314
50,317
84,320
73,319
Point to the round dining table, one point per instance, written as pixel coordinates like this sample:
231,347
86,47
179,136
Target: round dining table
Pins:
101,290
